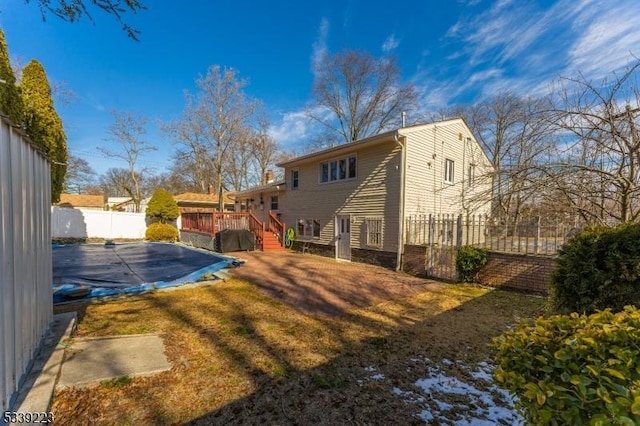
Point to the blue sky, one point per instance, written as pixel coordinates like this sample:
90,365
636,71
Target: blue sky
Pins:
453,51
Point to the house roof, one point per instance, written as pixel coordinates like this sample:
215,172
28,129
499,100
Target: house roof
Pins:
197,198
362,143
81,200
273,186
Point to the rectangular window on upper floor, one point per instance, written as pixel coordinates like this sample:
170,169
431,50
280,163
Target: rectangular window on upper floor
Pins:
338,169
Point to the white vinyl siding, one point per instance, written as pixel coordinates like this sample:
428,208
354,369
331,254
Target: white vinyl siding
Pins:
426,191
373,192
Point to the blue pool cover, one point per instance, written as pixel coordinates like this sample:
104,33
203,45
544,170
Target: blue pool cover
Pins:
94,270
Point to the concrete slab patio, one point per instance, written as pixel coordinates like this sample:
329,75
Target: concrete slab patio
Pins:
92,360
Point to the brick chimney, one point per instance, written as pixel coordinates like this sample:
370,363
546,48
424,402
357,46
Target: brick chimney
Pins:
268,177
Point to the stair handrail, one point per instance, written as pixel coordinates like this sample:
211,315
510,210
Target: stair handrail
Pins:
276,227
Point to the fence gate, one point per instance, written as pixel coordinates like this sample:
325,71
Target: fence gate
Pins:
442,236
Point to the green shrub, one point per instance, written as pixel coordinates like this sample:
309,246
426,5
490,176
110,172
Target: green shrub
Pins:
598,269
469,262
161,232
574,369
162,206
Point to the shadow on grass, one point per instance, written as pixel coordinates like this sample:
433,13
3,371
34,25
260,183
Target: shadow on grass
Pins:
337,392
260,361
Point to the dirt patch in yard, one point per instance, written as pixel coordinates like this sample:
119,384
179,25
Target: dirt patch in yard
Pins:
240,356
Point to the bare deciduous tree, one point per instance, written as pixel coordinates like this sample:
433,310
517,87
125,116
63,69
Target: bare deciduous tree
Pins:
80,177
363,94
214,122
127,130
597,171
517,138
265,150
73,10
116,182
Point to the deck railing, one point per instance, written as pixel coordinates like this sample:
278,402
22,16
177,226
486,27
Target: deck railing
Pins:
276,227
211,223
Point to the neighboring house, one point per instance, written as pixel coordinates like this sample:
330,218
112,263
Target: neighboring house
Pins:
351,201
262,199
126,204
192,202
84,201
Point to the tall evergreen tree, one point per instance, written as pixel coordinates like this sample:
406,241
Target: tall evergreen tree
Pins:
43,124
10,99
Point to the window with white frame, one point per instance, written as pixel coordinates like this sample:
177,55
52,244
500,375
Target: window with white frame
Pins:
373,230
308,228
274,202
471,175
448,170
294,179
338,169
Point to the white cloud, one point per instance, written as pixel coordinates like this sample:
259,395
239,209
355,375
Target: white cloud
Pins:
522,47
607,39
390,43
320,50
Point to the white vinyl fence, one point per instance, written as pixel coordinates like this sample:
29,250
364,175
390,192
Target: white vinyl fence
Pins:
26,306
81,223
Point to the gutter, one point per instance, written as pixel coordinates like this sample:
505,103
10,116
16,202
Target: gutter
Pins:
403,167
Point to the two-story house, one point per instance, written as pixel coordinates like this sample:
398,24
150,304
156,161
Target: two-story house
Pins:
351,201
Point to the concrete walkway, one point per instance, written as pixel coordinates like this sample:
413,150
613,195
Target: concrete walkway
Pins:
37,390
320,285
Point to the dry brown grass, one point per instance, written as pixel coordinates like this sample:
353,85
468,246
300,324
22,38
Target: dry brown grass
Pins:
241,357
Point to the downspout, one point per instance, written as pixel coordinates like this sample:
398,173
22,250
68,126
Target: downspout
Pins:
403,170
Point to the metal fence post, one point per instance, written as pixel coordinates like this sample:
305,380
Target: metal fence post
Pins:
459,232
536,239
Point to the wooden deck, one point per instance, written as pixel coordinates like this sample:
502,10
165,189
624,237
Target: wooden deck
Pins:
269,235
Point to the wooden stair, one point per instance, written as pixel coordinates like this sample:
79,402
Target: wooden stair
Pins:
270,242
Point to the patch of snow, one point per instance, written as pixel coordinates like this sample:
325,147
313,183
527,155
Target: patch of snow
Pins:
447,396
378,376
369,369
443,406
426,416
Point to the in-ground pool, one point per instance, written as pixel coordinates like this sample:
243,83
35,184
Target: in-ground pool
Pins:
94,270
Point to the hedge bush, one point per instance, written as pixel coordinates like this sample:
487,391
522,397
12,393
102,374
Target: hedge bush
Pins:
161,232
162,206
574,369
469,262
598,269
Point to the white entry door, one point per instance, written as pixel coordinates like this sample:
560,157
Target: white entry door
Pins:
343,237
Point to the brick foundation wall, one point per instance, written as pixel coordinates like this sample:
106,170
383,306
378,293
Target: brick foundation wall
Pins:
531,274
374,257
313,248
415,260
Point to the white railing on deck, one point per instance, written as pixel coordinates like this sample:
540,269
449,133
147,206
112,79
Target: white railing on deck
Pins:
26,307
